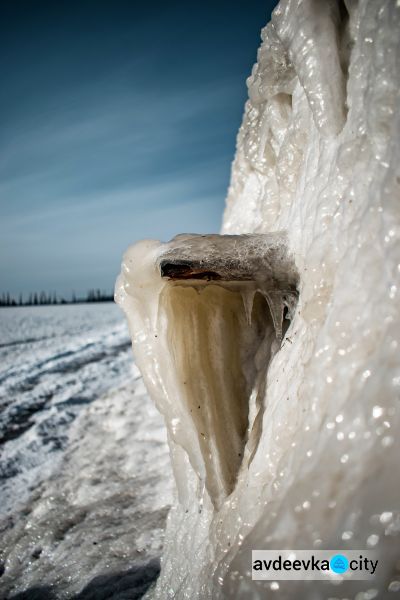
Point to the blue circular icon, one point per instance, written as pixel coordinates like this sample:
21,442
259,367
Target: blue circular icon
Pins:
339,563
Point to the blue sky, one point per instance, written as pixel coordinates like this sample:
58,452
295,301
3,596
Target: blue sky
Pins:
118,122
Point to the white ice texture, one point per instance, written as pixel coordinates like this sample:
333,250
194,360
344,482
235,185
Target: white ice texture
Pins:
303,454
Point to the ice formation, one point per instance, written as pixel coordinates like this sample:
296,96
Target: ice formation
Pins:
317,157
206,314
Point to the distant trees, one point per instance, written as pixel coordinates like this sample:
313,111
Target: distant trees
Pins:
97,296
43,298
6,300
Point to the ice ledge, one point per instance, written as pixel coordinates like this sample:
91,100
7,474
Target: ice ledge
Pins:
247,263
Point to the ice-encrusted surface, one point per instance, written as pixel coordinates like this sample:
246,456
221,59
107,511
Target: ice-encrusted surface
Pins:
53,361
261,258
95,528
85,475
317,156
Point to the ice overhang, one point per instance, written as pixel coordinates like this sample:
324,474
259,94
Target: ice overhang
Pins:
248,262
207,313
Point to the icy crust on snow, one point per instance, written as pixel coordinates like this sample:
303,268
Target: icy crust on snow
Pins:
317,156
54,360
94,529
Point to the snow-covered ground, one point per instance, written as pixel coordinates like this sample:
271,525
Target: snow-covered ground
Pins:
86,481
53,361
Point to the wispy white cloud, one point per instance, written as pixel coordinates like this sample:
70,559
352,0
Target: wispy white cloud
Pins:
117,125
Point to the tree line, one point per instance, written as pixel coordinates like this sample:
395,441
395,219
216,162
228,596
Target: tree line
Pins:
52,298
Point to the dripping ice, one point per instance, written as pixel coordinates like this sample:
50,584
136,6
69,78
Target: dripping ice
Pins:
205,314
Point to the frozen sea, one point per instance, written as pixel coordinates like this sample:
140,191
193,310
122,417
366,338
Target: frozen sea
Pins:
85,482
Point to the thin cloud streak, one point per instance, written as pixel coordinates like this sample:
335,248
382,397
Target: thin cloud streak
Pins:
118,122
42,166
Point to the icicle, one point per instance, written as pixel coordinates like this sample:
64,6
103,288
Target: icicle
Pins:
276,307
248,300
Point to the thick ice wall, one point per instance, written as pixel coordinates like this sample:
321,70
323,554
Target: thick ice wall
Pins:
331,419
317,156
